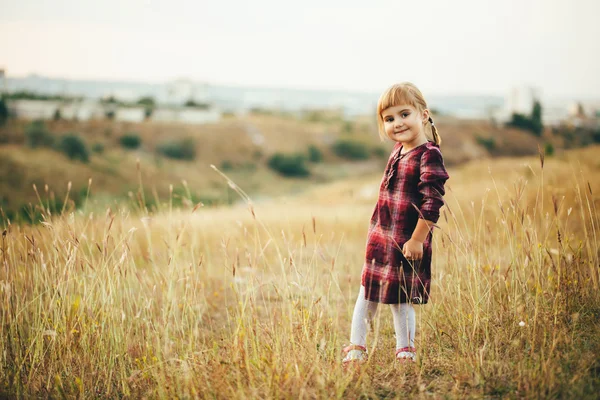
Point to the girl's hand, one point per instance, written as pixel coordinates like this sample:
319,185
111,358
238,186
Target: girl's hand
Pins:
413,250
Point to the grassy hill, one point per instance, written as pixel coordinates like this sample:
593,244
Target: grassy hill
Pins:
240,146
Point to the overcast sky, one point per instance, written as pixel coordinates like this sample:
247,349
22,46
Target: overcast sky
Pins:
445,47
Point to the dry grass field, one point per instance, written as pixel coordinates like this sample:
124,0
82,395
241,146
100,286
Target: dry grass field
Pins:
255,300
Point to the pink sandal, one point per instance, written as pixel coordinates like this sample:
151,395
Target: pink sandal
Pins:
355,353
406,354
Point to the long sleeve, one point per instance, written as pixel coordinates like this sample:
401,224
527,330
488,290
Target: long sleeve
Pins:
433,175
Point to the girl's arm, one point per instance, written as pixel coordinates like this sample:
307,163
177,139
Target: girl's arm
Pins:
431,186
422,230
433,176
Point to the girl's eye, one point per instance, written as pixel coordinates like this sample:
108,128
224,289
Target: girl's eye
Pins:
389,119
404,115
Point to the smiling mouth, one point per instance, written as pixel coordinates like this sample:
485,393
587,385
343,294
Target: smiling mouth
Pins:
402,131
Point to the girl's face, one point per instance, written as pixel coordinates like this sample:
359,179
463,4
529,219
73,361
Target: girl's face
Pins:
404,124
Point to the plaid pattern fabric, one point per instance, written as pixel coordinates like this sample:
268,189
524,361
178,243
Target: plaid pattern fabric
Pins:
412,187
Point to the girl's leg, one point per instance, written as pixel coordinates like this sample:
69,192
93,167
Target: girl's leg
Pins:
404,324
364,311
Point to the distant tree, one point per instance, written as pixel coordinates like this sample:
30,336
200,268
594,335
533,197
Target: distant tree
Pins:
148,112
3,111
27,95
147,101
192,103
149,105
536,118
57,116
532,123
596,135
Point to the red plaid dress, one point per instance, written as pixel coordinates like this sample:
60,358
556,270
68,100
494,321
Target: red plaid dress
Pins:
412,188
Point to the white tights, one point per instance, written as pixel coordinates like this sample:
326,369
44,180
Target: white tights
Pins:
364,311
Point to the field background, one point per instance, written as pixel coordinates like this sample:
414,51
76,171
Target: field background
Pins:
229,143
253,296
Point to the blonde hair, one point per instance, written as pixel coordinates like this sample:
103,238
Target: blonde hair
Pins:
406,93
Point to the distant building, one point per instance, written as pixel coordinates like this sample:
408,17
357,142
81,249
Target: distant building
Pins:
33,109
87,110
584,116
81,110
181,91
576,110
521,99
187,115
130,114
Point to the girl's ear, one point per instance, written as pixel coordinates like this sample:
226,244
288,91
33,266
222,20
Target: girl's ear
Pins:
425,116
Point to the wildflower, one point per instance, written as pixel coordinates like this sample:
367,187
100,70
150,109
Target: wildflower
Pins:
522,324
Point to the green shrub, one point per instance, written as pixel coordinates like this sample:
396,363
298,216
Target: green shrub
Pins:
380,152
98,148
130,140
488,143
549,149
226,165
37,135
289,164
74,147
350,149
184,149
315,155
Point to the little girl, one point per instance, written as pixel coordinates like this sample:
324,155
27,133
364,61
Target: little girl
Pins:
397,269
